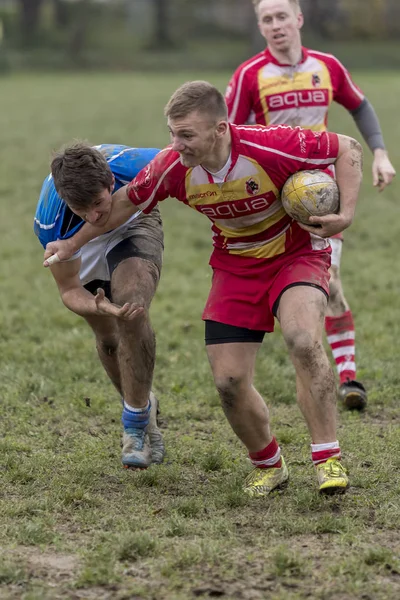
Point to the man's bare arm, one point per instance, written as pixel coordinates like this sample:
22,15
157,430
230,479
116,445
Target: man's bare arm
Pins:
72,292
122,209
349,167
349,170
78,300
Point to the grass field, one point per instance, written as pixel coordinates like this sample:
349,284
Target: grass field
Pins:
73,523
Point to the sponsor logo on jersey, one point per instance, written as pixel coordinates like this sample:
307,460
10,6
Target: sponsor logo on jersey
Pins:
252,186
302,140
316,80
201,195
238,208
275,83
297,98
146,181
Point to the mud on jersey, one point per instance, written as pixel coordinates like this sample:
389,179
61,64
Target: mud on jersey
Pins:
245,210
269,93
55,221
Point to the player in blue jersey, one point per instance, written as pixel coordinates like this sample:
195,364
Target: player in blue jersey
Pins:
111,281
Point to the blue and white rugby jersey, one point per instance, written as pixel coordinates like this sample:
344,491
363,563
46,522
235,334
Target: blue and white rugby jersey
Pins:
55,221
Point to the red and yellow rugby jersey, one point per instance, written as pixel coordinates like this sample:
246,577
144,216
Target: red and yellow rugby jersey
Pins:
245,209
271,93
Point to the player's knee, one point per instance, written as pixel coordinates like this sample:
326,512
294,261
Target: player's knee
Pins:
135,281
335,277
137,331
334,291
130,293
140,325
229,388
337,300
107,346
304,347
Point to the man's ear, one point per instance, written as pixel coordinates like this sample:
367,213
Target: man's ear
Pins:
300,20
222,128
112,186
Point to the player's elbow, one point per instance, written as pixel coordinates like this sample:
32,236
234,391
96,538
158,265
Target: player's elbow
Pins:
347,144
352,152
67,293
356,147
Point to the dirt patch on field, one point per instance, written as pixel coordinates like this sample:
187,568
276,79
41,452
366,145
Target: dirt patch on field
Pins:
252,581
61,565
47,563
384,417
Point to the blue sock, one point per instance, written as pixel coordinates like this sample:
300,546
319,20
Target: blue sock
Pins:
135,418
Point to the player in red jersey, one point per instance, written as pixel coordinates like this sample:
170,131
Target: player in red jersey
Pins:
292,85
265,265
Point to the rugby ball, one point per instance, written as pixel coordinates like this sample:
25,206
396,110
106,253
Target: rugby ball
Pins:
310,193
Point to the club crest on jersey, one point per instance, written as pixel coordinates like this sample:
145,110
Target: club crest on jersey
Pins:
252,186
316,80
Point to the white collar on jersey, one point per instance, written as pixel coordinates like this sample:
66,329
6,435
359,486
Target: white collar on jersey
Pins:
219,176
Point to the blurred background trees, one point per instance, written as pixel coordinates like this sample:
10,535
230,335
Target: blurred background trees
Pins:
147,34
29,15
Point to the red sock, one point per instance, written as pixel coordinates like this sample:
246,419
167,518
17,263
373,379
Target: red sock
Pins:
321,452
267,458
341,337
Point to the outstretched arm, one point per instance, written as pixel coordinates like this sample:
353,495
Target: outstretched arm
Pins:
78,300
62,250
348,166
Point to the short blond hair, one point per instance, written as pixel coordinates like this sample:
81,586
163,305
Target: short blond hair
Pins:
199,96
294,3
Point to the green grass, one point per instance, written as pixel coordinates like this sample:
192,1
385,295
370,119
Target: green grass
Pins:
73,524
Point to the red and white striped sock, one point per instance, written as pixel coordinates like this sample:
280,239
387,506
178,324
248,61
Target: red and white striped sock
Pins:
269,457
341,338
321,452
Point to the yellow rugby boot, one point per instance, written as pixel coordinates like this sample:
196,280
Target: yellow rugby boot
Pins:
332,477
260,482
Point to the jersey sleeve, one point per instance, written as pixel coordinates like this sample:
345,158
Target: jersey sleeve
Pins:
48,213
157,181
238,98
345,91
126,163
49,216
282,150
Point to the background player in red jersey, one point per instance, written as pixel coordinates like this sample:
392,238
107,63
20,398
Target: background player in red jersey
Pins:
292,85
264,264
